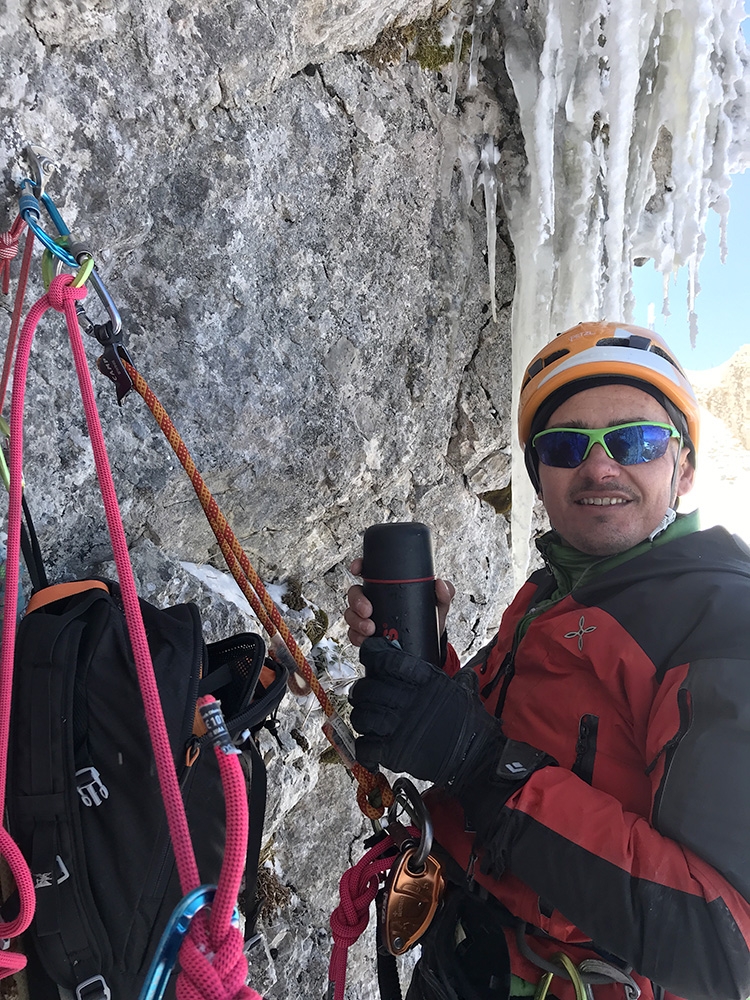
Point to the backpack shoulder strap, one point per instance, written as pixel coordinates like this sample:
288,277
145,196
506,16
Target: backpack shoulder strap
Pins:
59,591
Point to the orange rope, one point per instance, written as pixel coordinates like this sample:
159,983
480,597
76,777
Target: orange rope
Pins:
374,792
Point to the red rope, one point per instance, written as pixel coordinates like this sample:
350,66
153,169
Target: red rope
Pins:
9,249
358,887
20,296
16,318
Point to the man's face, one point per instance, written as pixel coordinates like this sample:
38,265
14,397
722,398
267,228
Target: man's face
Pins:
635,497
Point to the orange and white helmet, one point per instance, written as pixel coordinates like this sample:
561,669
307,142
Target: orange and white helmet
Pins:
592,354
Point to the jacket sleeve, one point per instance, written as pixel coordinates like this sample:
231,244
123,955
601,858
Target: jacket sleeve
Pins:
667,895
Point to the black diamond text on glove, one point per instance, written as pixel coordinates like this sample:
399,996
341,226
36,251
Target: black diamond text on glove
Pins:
414,718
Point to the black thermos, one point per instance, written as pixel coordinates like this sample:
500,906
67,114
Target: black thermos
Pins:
399,582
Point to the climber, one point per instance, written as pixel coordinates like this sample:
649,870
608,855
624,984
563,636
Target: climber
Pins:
591,765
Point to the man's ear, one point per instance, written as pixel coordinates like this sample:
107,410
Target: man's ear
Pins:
687,473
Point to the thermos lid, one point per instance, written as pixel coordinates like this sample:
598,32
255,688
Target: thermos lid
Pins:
399,552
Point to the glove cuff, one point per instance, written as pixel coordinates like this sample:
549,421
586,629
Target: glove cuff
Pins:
517,763
490,787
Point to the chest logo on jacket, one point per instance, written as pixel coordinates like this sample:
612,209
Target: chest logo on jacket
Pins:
582,631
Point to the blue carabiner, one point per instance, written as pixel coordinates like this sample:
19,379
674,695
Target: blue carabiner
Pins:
42,165
30,211
165,957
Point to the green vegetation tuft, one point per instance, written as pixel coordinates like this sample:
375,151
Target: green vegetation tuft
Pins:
420,40
499,500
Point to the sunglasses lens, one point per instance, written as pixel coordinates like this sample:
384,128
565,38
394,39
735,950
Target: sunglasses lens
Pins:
562,449
634,445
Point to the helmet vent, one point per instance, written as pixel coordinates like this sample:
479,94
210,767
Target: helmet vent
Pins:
614,342
663,354
541,363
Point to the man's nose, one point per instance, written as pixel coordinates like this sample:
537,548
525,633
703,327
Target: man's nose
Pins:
599,464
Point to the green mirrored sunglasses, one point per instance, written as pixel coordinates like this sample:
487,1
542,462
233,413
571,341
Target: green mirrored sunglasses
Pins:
626,444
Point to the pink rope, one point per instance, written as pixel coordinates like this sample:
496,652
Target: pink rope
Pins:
15,322
357,889
213,964
59,298
12,962
62,296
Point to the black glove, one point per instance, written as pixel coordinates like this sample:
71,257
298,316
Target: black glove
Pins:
417,719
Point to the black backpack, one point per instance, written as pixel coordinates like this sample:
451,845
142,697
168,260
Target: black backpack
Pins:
83,798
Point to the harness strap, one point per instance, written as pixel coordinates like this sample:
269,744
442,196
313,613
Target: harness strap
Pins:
59,591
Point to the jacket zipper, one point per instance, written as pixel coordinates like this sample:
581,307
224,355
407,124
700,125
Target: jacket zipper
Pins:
588,729
507,671
508,666
670,747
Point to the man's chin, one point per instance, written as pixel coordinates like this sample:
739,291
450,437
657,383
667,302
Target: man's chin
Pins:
606,543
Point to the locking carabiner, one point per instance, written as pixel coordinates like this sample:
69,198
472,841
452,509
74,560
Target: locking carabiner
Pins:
408,798
42,166
415,884
165,957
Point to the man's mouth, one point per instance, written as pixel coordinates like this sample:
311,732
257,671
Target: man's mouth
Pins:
602,501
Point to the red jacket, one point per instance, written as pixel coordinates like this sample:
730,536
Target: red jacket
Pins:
638,684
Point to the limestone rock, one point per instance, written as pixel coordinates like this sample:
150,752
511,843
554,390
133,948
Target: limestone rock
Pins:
725,391
302,281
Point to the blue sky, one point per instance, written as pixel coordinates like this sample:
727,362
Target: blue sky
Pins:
722,305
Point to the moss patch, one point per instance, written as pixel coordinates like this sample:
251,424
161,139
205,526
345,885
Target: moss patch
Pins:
421,40
499,500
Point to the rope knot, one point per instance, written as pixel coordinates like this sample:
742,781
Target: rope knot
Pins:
215,972
62,290
8,245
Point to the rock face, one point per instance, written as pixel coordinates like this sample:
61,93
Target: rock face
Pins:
303,284
294,284
725,391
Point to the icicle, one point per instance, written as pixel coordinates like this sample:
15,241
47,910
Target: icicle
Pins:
458,42
693,289
488,180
